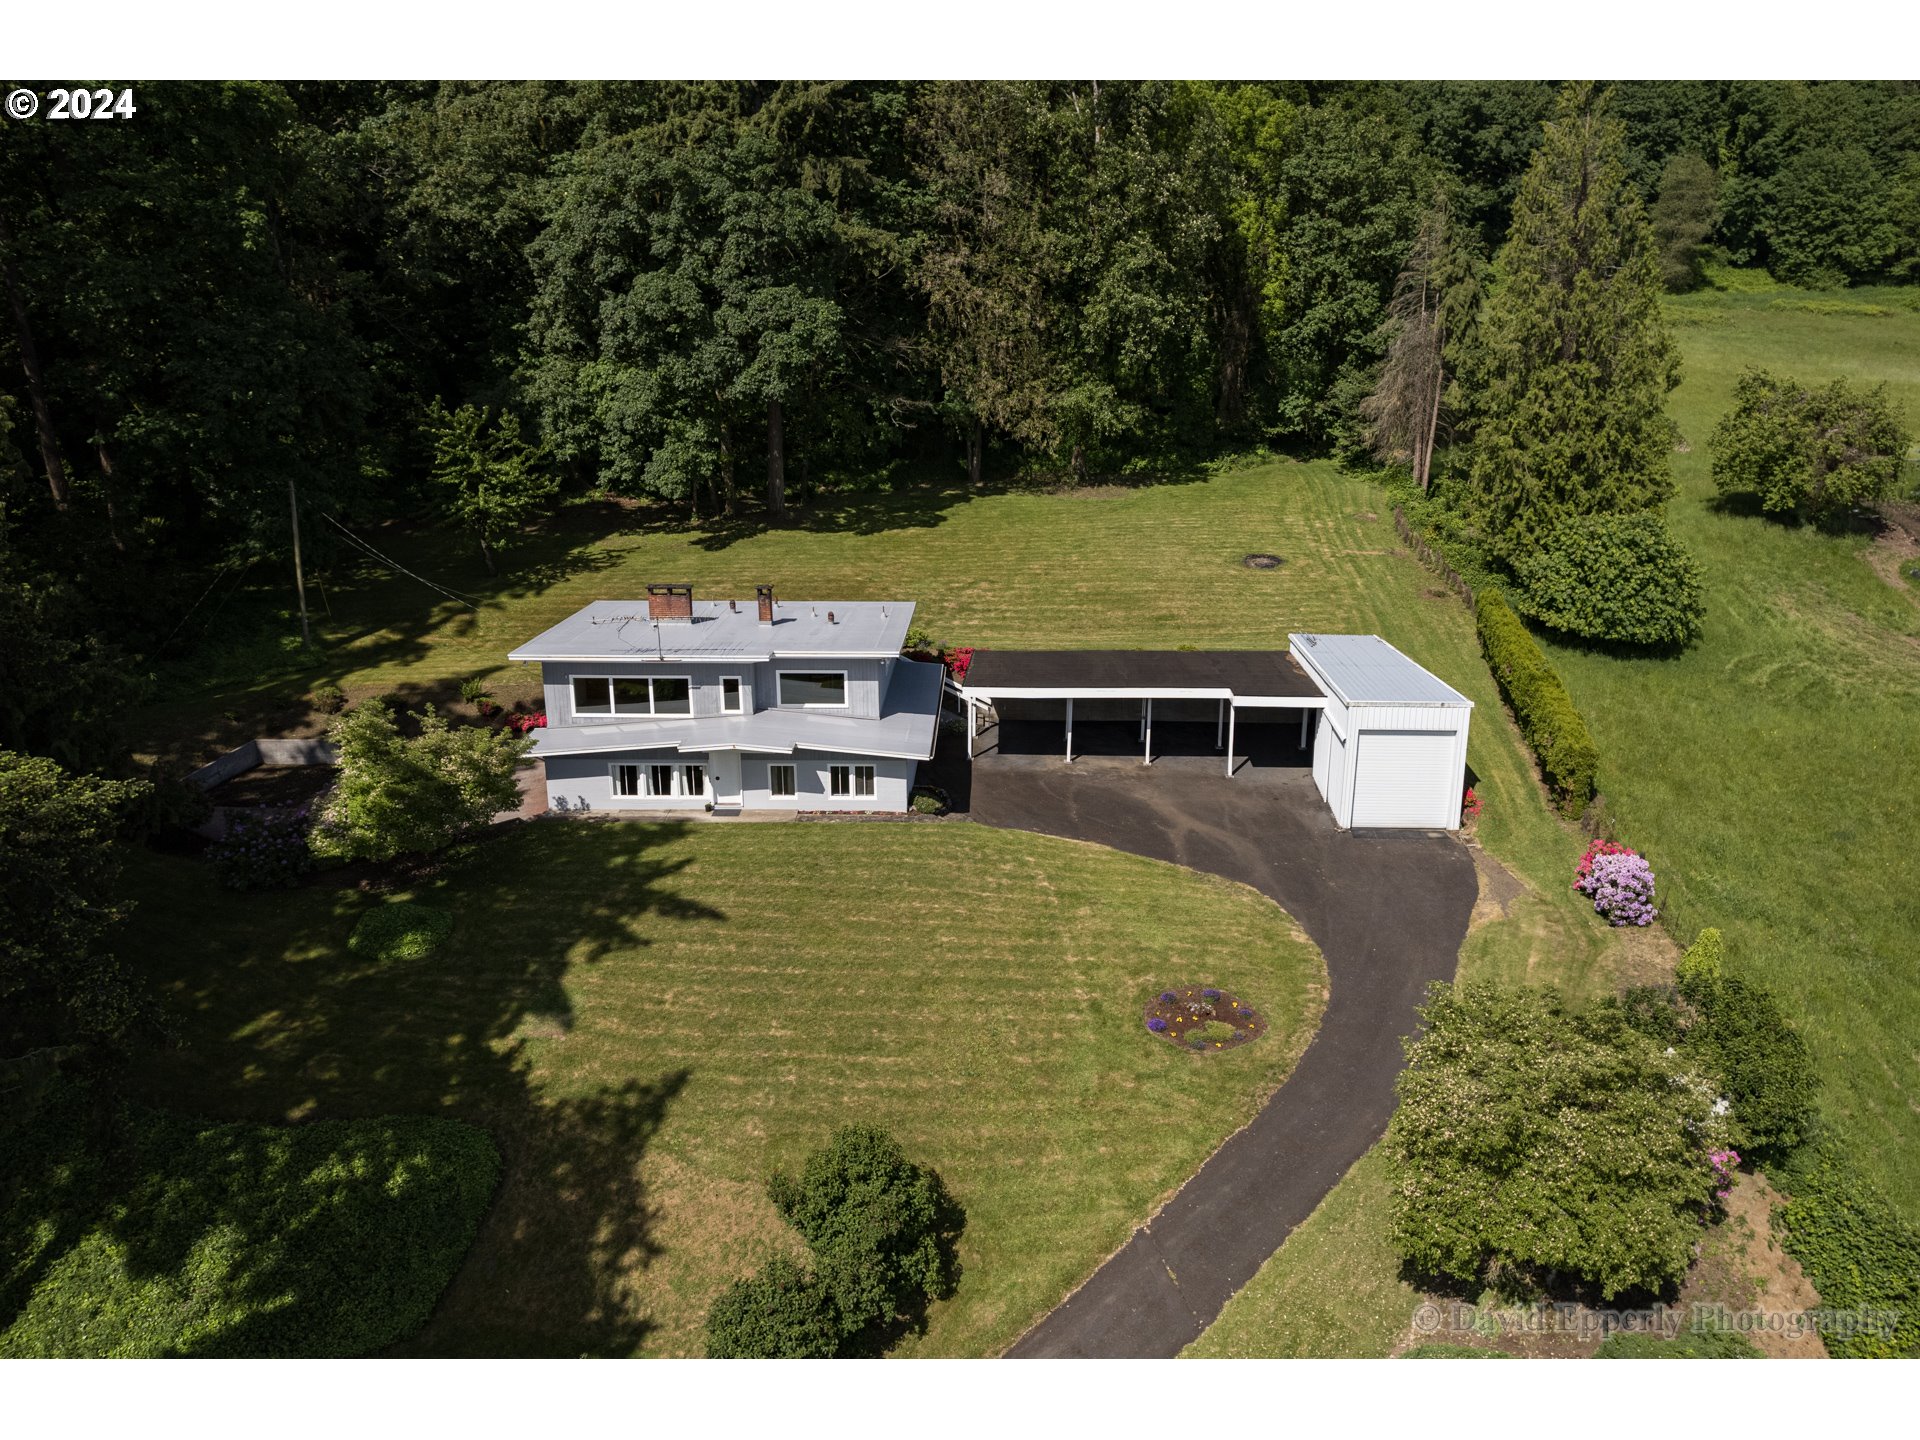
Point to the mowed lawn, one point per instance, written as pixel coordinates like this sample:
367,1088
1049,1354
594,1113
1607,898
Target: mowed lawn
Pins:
1772,772
1110,566
650,1018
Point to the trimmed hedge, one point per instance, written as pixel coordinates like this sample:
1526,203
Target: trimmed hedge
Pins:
1559,738
134,1232
1857,1251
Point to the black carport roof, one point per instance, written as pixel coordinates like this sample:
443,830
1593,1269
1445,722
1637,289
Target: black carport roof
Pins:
1240,672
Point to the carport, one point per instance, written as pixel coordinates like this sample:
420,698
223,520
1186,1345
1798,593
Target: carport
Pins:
1109,681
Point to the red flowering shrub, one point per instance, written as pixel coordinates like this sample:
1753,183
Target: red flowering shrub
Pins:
1595,850
524,724
958,662
1470,804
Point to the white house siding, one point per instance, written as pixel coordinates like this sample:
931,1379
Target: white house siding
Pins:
585,782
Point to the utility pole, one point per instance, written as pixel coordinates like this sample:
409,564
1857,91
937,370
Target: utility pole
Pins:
299,579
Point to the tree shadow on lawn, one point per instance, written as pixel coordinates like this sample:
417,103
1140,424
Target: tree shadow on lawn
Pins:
283,1022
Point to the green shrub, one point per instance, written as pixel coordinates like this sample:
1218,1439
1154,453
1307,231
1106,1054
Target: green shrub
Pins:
398,795
1544,711
1742,1037
1858,1252
1699,969
328,699
883,1229
1532,1139
396,930
1798,450
1442,1350
134,1232
1693,1345
1617,578
781,1313
473,690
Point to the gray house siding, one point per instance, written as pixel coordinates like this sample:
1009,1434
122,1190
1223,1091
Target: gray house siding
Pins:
865,688
585,782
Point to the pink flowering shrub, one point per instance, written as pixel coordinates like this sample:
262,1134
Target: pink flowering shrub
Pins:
1619,882
1725,1163
959,662
526,724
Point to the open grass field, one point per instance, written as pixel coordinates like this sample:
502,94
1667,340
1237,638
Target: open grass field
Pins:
1772,772
651,1018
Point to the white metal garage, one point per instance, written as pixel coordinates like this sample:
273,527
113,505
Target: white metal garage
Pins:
1391,748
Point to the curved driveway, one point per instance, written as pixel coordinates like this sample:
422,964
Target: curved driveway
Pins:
1388,910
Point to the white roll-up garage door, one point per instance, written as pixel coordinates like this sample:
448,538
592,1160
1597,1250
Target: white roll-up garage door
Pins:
1404,778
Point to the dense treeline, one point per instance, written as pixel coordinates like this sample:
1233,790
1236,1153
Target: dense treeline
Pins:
727,295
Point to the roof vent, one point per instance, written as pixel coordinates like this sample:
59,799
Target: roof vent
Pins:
733,607
765,595
830,619
670,602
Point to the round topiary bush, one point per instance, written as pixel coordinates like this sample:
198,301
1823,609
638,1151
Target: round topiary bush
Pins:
1617,578
398,930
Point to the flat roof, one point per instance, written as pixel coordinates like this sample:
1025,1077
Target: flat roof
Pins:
1366,670
621,630
1142,672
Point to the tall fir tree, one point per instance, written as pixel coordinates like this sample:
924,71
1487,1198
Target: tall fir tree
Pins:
1576,362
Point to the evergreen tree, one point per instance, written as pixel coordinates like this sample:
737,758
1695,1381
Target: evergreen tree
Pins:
1575,363
490,480
1683,217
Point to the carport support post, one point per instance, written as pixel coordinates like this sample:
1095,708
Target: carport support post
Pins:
1147,759
1220,725
1304,713
1232,715
1069,729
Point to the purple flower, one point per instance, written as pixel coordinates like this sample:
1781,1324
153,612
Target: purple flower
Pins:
1167,997
1621,888
1209,994
1157,1025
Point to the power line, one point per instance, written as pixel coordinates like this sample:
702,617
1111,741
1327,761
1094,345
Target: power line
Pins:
395,565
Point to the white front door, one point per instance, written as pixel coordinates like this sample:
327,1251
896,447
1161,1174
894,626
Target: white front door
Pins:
725,775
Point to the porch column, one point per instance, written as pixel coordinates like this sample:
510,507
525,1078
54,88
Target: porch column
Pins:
1147,759
1220,725
1304,713
972,718
1232,715
1069,729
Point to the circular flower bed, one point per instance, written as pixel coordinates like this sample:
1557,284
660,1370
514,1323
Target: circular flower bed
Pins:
1199,1017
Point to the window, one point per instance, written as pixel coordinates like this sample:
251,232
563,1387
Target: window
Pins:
592,695
813,687
856,780
595,695
695,778
626,780
730,695
780,780
659,780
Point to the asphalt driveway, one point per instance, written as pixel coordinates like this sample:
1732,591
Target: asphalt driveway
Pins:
1388,910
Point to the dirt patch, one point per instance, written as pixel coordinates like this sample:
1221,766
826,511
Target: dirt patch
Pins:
1644,955
1499,888
1743,1267
1893,549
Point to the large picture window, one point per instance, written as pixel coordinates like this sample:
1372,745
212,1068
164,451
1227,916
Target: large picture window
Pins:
813,687
600,695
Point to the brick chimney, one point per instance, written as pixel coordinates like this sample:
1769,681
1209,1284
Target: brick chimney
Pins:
670,602
765,596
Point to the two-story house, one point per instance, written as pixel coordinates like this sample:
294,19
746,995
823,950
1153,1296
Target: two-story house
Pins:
679,704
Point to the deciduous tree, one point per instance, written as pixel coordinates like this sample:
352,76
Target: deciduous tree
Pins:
1811,452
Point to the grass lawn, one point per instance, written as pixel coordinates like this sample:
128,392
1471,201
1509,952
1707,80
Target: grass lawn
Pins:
1773,771
1332,1291
650,1018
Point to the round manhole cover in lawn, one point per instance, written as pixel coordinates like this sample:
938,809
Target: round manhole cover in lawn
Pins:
1262,562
